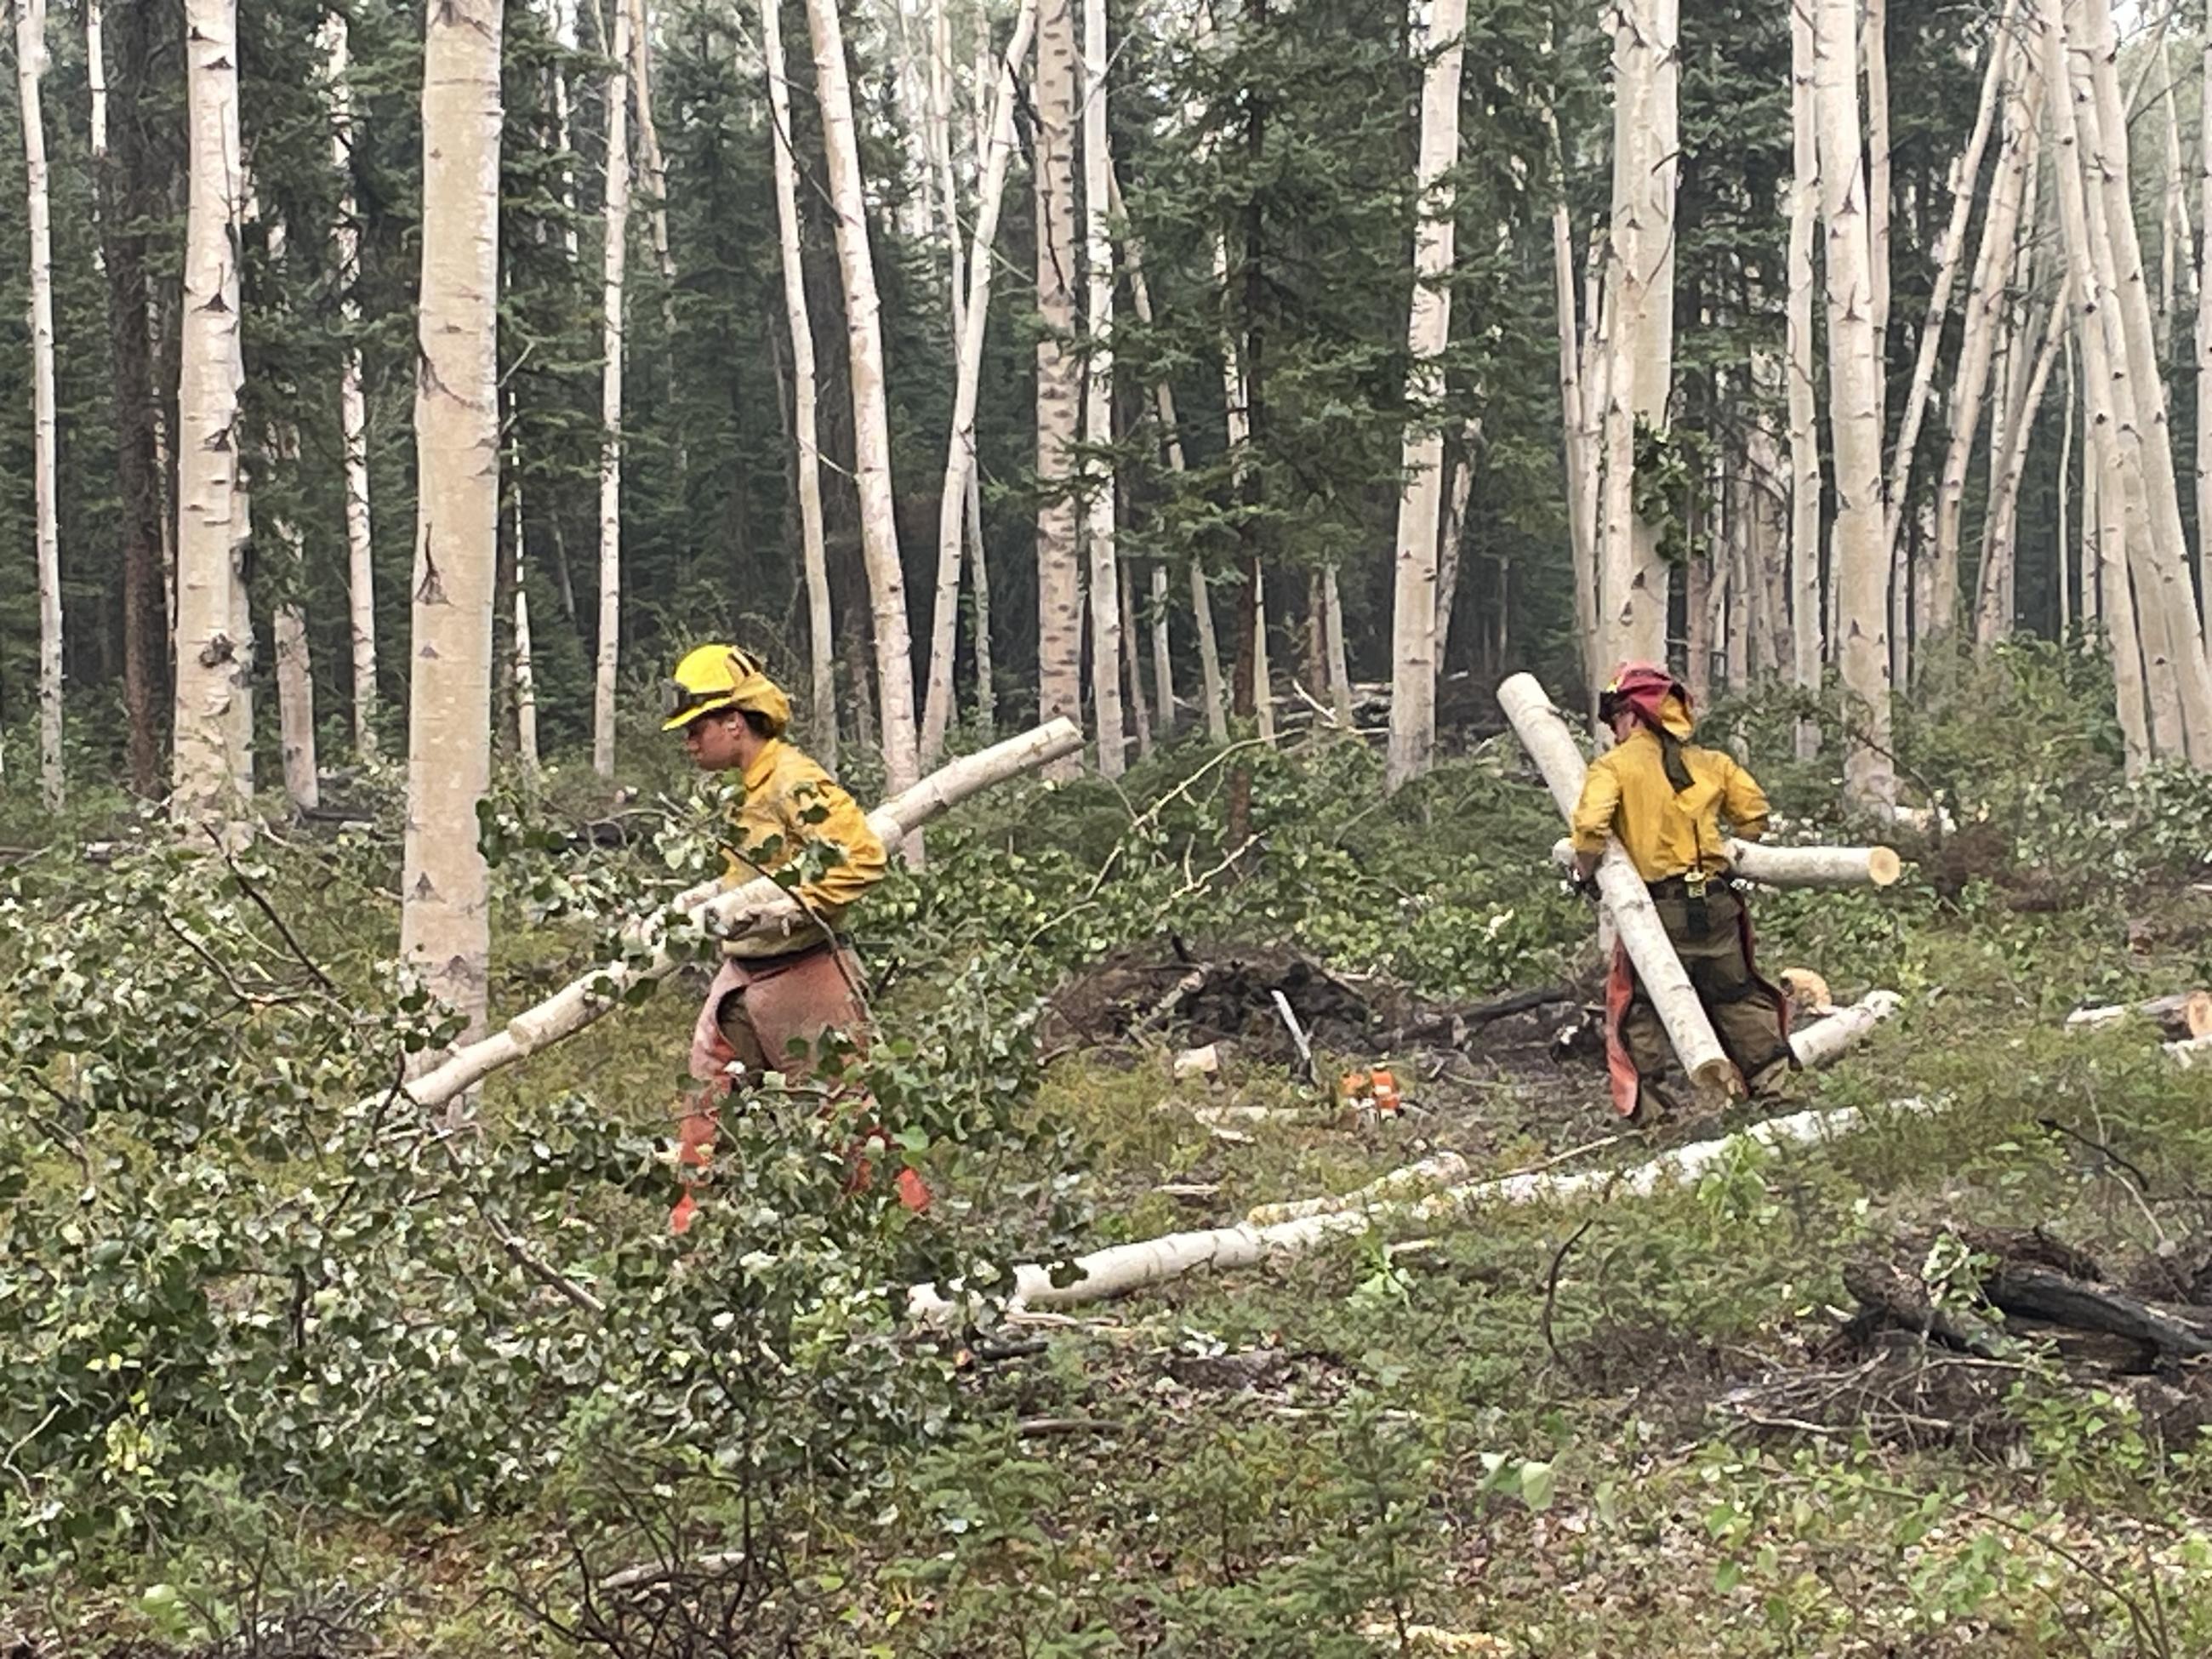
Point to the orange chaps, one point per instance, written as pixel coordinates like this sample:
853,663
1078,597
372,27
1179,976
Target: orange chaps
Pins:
754,1012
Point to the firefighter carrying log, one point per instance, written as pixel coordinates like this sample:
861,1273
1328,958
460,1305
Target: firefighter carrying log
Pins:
1665,798
776,998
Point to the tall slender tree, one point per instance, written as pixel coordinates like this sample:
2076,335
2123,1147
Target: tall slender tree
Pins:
871,457
1413,630
445,924
353,404
613,256
30,70
1098,404
1060,581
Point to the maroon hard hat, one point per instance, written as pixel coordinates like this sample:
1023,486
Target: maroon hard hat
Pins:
1644,687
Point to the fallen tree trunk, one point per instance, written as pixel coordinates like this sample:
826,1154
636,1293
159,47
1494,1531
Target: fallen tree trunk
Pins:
2034,1292
755,909
1122,1268
1440,1171
2180,1017
1827,1039
1798,866
1545,735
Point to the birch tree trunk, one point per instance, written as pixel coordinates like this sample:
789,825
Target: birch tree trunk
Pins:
1874,37
613,258
30,68
1059,583
2116,515
1965,176
1985,304
2169,590
525,672
656,168
2205,345
1202,604
1805,587
444,925
1640,296
960,451
203,785
1574,415
871,458
822,643
564,37
95,75
2173,232
1132,667
353,406
1414,627
2001,541
1860,556
1098,404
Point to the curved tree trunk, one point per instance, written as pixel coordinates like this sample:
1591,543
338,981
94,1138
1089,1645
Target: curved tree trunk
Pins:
613,250
210,643
1414,627
960,453
822,641
871,456
1859,556
30,68
445,925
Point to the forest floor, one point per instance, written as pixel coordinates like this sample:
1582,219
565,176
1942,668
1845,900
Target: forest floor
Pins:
1657,1424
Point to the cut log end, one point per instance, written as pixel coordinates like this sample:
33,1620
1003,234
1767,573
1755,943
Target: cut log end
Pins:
1884,867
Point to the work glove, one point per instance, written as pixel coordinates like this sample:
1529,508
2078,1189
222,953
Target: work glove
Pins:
1582,886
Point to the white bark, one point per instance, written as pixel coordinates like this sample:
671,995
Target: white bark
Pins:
1059,583
613,257
295,680
1162,668
1825,1040
1544,734
728,912
1994,607
1140,716
1985,305
1456,496
2169,592
1640,298
1796,866
2174,230
30,69
353,406
525,674
2109,454
1805,624
1098,403
210,646
1332,645
871,449
821,645
1859,555
1965,175
1413,627
2205,340
1574,416
1442,1169
95,73
960,452
444,926
1121,1268
1875,54
656,168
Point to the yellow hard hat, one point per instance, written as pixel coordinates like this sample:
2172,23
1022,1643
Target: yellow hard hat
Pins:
714,678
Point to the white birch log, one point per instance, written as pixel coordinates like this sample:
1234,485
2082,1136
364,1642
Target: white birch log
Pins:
614,251
1428,331
1796,866
728,912
960,451
821,644
872,443
1545,735
2181,1015
1444,1169
1825,1040
1121,1268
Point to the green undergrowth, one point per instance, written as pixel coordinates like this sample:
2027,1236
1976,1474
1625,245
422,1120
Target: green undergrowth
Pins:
278,1357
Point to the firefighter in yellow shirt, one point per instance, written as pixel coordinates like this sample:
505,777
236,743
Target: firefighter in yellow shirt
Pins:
1666,798
777,994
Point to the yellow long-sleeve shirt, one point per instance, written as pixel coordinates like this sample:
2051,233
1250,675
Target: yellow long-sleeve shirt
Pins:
792,807
1626,794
